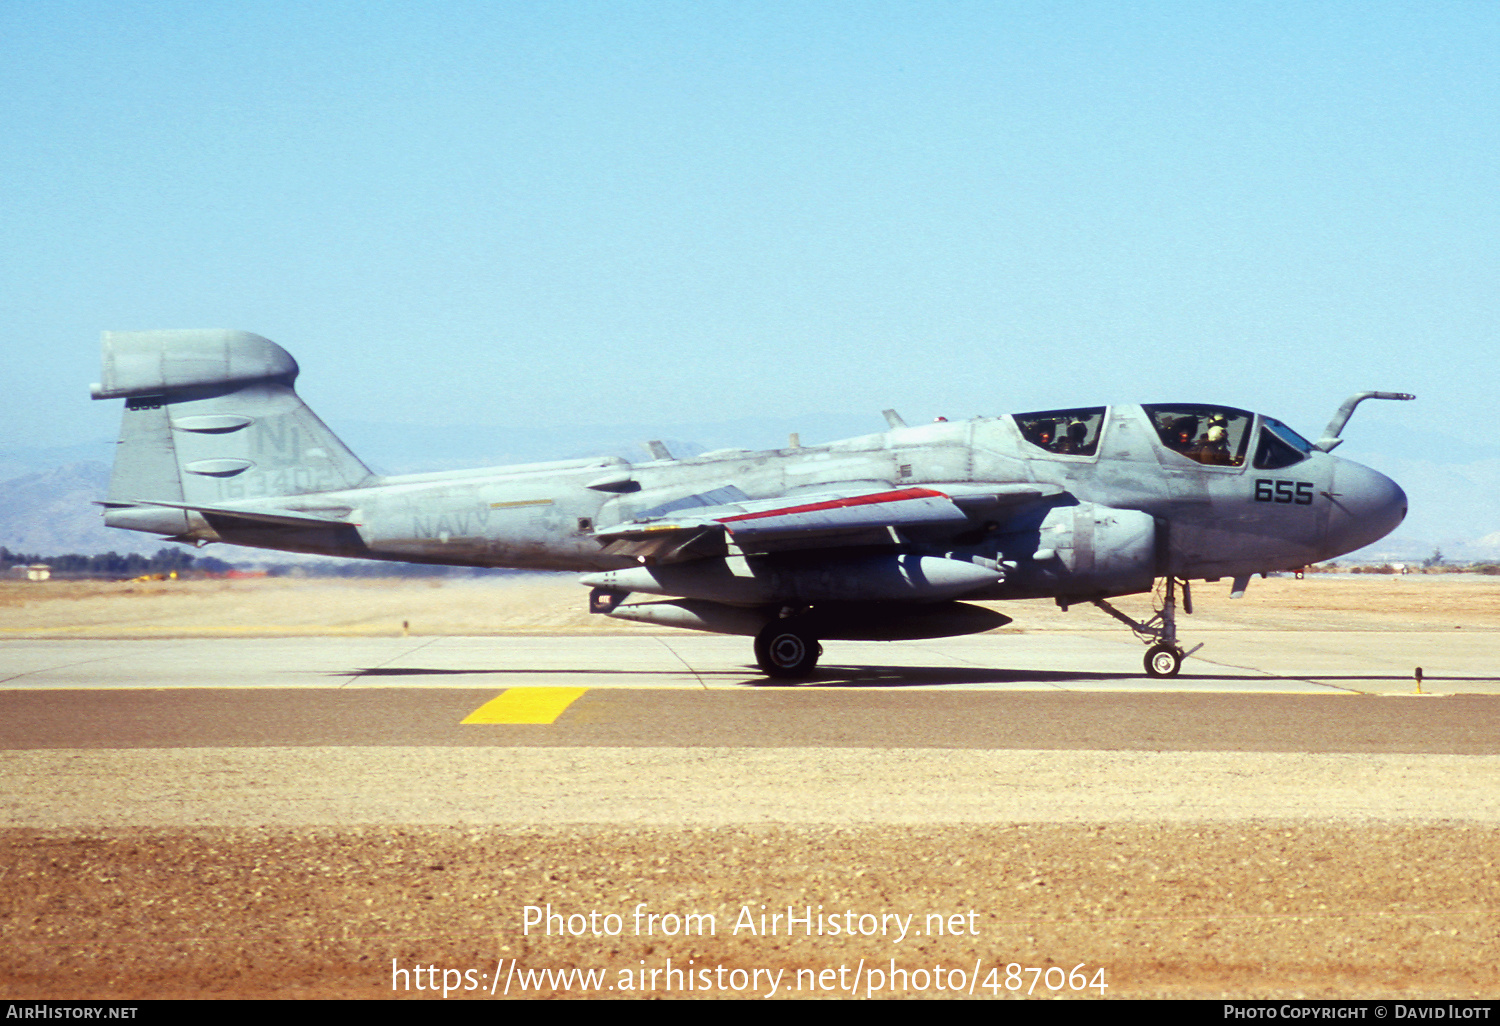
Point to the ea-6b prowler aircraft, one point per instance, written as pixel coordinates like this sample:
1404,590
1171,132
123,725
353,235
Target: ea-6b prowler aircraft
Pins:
879,537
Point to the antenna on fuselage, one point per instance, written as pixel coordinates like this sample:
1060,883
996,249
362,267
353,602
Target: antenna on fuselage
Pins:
893,418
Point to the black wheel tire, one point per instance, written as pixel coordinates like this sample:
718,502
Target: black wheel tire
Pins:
786,652
1163,661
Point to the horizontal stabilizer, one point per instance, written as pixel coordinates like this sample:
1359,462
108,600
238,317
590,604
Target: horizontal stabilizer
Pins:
277,517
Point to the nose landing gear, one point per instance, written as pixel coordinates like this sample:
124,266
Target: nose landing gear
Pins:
1164,657
1163,660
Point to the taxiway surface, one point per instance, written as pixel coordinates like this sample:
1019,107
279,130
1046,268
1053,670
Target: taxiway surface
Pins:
678,730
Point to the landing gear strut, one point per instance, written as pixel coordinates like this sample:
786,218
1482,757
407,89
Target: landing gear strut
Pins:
1164,657
786,651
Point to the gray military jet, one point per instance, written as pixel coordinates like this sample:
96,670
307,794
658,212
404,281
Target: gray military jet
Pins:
879,537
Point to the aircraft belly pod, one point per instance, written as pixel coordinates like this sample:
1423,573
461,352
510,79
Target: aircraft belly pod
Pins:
886,536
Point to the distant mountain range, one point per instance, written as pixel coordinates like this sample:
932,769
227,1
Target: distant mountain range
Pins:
52,512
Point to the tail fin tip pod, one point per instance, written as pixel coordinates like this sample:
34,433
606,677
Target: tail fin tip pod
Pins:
211,417
138,363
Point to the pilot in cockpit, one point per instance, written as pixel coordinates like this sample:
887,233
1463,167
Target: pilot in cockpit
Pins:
1213,447
1074,442
1179,434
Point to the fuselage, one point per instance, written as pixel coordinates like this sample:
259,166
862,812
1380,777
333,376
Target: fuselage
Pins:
1253,498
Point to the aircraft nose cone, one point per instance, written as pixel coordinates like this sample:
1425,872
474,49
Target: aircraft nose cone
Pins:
1367,506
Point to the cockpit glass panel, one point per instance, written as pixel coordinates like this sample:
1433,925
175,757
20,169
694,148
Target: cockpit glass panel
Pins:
1063,432
1215,436
1279,446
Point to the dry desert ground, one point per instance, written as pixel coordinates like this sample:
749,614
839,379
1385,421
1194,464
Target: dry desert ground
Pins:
1261,907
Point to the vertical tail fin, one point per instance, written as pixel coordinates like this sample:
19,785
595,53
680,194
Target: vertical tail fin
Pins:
211,417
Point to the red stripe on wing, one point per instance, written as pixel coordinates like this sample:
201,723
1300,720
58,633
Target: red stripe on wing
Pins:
858,500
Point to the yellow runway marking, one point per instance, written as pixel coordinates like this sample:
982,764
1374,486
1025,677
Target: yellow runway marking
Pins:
526,705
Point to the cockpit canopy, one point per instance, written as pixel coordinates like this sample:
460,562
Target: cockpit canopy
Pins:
1064,432
1214,436
1218,436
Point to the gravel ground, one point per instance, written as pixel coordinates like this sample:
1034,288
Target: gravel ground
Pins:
701,787
1203,911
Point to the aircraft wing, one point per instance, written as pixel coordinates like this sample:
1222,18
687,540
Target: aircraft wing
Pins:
860,512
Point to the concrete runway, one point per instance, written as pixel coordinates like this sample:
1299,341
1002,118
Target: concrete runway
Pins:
1237,661
1054,692
679,729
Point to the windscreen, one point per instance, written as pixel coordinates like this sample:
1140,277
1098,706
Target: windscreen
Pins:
1279,446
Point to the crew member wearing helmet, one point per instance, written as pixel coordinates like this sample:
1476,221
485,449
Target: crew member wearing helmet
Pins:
1213,447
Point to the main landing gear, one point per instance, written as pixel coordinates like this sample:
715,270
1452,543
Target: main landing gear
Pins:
1164,657
1163,660
786,651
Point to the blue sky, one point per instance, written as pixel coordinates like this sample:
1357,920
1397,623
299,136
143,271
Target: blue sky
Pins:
563,213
